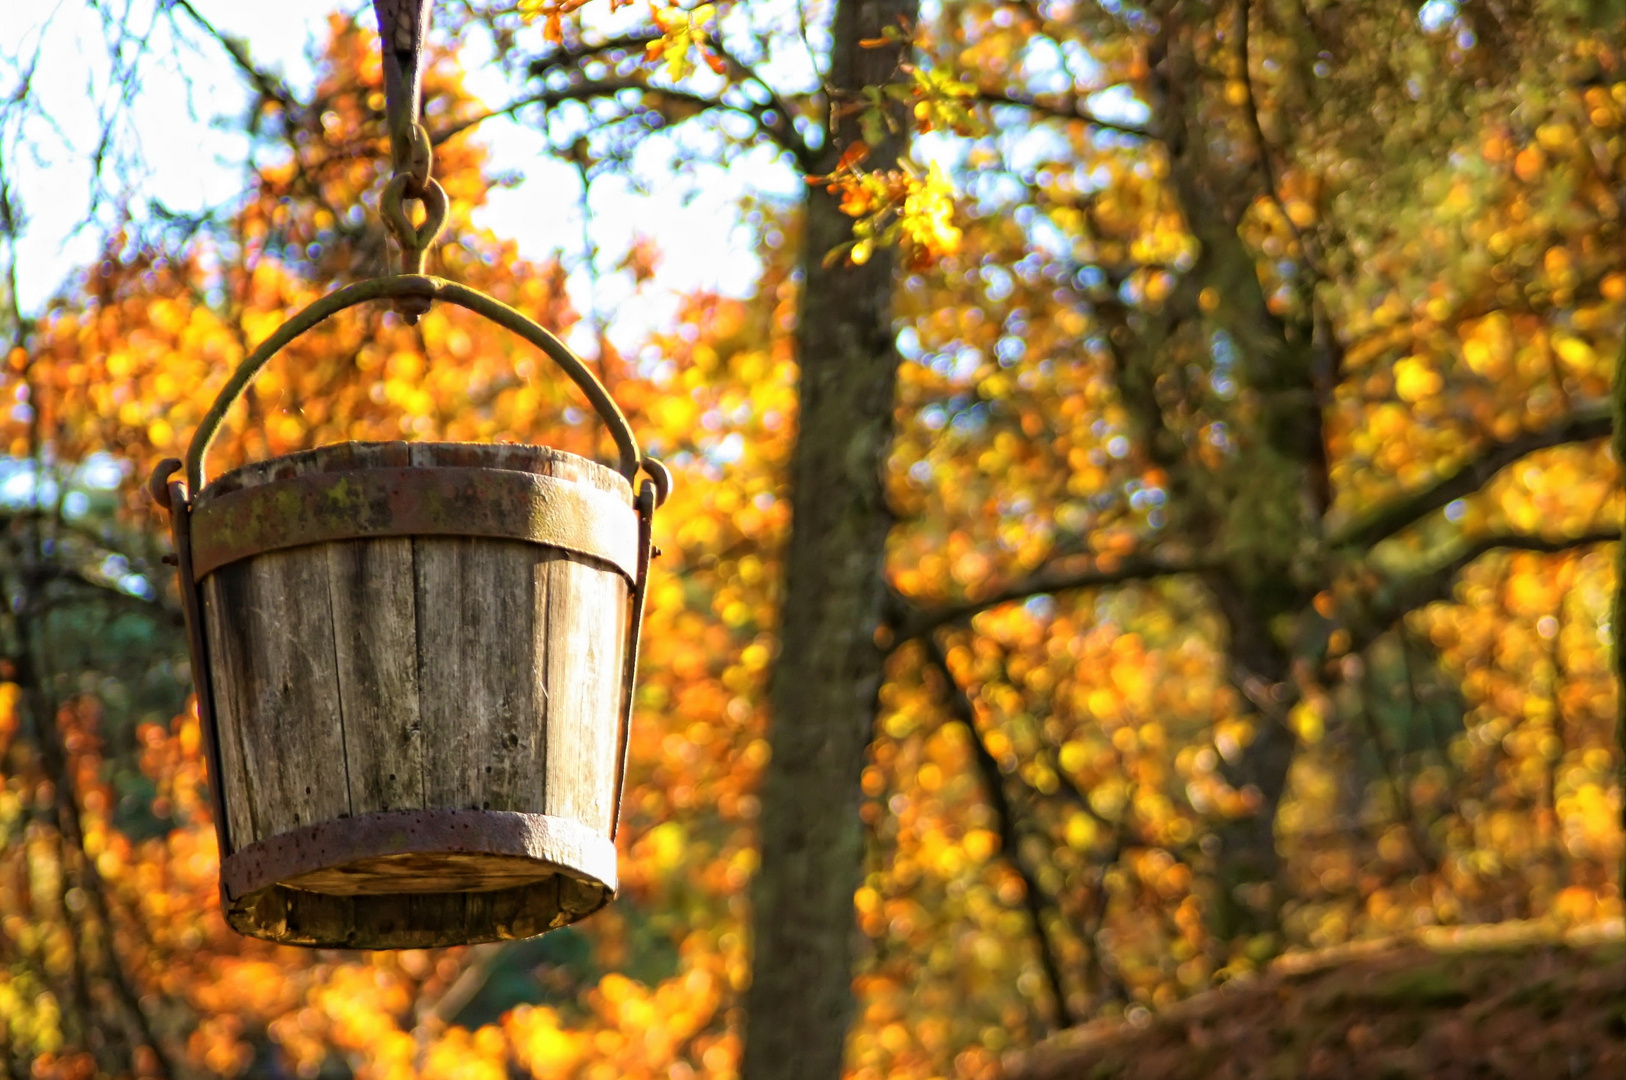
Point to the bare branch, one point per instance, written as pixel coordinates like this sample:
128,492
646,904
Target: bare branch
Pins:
783,130
773,118
567,58
433,1013
31,675
587,91
960,706
265,84
778,130
1267,170
1584,425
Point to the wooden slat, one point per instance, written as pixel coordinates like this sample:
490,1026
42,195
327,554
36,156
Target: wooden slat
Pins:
372,591
229,723
585,614
585,667
478,644
275,676
373,596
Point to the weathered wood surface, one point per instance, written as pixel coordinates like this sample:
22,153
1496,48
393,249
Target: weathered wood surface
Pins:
275,684
404,673
586,626
375,645
375,648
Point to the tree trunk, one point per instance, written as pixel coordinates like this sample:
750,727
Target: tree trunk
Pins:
1247,886
825,681
1272,494
1617,616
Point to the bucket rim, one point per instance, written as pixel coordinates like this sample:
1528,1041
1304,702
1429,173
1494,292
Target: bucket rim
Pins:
295,462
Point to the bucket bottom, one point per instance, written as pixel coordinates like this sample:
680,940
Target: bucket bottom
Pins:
423,872
418,920
418,879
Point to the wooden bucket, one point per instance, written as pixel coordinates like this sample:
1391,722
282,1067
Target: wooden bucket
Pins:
414,667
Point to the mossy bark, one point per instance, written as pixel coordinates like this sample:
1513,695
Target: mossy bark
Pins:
1617,618
1263,515
828,673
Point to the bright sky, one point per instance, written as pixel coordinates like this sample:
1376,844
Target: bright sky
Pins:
187,115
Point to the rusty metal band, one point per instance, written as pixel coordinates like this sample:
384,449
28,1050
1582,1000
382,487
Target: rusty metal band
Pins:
445,501
197,643
559,842
629,673
428,289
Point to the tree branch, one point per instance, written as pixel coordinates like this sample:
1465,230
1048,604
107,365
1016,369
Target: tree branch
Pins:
268,86
782,130
1399,597
57,761
587,91
1068,109
914,622
432,1014
961,708
1267,170
1583,425
565,58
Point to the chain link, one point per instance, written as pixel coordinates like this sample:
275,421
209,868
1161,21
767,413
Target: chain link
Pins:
414,158
402,25
413,182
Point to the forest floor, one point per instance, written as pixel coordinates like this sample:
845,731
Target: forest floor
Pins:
1518,1000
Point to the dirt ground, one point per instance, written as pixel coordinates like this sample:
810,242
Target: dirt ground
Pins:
1518,1000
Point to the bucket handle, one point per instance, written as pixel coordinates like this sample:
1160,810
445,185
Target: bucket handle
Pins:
426,288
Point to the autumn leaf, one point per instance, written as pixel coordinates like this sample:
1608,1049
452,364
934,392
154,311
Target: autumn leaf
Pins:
683,31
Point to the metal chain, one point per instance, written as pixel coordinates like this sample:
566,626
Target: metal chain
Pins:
402,25
414,183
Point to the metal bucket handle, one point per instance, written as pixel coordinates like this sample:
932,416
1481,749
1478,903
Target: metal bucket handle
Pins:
429,289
